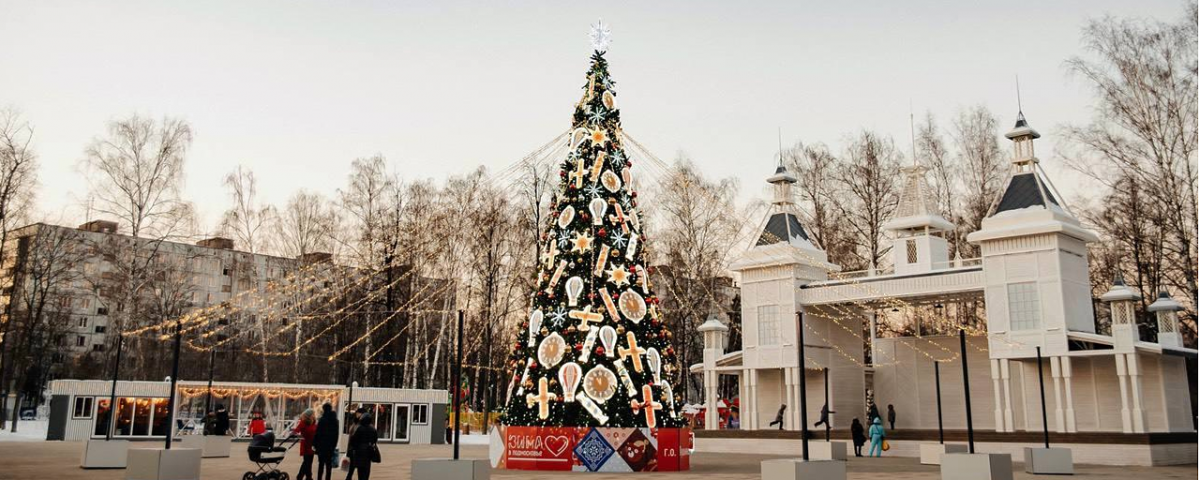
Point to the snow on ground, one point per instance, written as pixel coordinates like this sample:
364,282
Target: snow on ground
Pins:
27,431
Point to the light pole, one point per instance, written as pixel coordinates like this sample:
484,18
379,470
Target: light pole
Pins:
112,396
803,394
937,382
962,347
174,382
1042,389
457,383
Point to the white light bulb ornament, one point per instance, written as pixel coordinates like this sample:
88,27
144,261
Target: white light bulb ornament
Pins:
569,376
598,207
535,326
574,288
608,338
655,361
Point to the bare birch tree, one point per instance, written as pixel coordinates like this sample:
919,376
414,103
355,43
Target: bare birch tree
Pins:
1142,145
982,168
18,178
869,173
247,221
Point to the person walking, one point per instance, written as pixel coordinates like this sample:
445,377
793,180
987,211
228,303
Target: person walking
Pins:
362,449
779,417
825,411
306,428
857,435
325,440
222,422
877,435
891,417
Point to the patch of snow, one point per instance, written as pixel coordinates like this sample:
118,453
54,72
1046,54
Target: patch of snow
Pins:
27,431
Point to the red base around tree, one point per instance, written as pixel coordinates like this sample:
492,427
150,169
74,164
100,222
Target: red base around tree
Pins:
586,449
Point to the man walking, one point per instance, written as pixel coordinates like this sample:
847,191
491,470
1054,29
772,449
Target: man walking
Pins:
779,417
824,416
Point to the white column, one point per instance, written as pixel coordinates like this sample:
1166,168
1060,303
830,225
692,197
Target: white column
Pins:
711,414
789,387
753,399
1126,421
1135,392
1060,424
874,352
1006,380
996,392
1069,411
795,398
832,399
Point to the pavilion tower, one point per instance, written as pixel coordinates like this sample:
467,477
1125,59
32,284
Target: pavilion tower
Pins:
1035,254
782,260
918,246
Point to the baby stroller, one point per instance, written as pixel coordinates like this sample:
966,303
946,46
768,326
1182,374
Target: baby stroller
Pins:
267,455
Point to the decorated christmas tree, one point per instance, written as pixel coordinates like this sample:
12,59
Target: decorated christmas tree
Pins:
594,351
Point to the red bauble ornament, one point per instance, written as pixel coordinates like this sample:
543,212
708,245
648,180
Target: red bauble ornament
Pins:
579,347
602,232
599,350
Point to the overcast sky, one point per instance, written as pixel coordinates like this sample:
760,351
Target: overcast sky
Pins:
296,90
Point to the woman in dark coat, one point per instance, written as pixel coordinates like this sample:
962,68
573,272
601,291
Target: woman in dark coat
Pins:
325,442
361,448
222,422
859,437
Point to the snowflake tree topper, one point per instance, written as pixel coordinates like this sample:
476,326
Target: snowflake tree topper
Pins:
601,36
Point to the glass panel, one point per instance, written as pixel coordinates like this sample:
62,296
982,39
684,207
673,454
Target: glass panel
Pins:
124,417
141,416
401,422
383,421
101,417
768,325
161,428
1024,310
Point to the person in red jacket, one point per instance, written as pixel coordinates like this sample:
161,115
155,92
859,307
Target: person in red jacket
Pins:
257,424
306,427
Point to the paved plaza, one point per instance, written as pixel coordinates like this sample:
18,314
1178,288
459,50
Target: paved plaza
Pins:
60,461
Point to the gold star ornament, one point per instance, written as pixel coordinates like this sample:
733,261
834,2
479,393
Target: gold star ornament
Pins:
582,242
618,276
598,137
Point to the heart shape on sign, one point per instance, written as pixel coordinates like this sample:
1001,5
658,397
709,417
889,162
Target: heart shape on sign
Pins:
556,444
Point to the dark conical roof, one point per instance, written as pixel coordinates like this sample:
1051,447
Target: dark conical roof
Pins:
782,227
1026,190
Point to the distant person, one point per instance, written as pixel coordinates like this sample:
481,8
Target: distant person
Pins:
257,424
877,435
221,426
856,434
779,417
355,419
362,449
306,428
825,411
210,423
872,413
325,440
891,417
735,419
